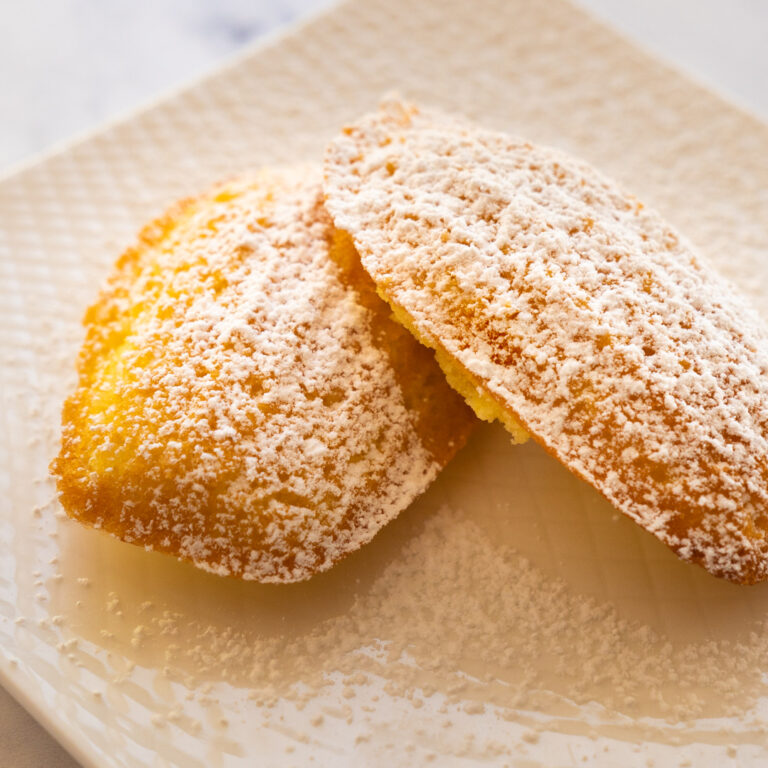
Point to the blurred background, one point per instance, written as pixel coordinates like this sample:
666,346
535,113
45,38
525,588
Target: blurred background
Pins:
66,66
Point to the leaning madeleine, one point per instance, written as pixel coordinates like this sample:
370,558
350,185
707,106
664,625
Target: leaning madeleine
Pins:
560,305
245,399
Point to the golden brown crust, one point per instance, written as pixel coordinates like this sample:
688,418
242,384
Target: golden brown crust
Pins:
583,313
245,400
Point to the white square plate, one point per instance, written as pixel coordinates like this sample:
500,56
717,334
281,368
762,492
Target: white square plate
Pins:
510,616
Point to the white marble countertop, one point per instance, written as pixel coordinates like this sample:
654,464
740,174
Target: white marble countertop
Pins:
68,65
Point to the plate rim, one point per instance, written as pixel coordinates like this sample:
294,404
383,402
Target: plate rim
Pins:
12,670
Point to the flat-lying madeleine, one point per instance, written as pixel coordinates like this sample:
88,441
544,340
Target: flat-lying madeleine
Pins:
582,315
246,400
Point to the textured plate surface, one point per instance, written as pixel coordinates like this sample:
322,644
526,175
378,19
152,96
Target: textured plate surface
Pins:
510,616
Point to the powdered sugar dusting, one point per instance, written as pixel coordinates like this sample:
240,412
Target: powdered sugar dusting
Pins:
580,311
240,404
524,647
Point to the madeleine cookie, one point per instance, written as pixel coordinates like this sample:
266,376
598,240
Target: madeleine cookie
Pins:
245,399
564,306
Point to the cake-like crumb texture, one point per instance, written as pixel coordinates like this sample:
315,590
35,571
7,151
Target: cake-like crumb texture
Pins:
483,404
246,401
582,313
